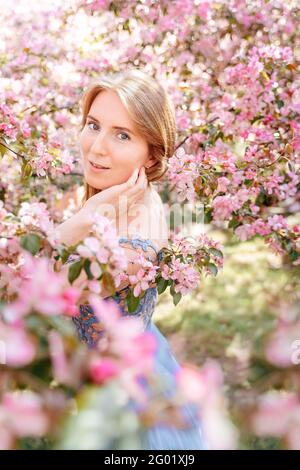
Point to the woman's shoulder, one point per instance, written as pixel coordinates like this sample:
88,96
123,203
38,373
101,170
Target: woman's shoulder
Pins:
160,218
153,225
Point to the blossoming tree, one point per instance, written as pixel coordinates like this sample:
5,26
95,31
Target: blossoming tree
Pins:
232,69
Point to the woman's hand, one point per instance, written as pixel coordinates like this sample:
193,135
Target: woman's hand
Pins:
79,225
110,199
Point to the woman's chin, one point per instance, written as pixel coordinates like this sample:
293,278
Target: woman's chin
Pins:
96,181
98,185
102,180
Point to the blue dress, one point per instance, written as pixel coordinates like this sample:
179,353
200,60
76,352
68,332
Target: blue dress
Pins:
159,436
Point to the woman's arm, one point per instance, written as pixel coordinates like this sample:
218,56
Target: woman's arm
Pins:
75,228
78,226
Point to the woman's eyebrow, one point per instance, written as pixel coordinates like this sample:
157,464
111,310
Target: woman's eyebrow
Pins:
114,127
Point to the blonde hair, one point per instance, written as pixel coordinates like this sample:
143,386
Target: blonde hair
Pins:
151,109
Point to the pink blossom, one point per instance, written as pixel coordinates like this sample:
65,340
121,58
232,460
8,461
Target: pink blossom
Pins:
103,370
278,348
278,414
261,227
19,346
223,182
204,388
191,381
223,207
277,222
145,275
94,286
42,290
61,371
24,414
244,232
37,215
25,129
132,348
95,269
185,276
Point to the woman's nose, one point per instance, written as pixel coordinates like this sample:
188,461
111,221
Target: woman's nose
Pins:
100,142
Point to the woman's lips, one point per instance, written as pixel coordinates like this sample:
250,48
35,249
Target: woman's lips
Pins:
97,170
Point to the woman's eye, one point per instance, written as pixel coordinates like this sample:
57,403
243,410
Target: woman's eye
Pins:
124,133
91,123
120,133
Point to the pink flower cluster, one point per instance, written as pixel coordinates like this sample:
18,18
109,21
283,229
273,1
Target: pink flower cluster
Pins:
181,172
224,206
275,223
18,348
281,345
37,215
41,290
127,351
204,388
104,247
185,277
145,277
22,414
278,414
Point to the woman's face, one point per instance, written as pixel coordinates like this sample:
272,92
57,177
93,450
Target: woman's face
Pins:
110,139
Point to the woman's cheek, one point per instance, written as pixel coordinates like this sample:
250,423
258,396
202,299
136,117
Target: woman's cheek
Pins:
124,173
133,155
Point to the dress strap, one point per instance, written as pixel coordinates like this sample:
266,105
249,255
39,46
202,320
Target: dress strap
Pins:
138,242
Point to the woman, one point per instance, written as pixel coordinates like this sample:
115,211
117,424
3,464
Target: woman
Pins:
128,133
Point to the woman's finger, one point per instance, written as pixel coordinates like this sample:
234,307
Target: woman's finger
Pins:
120,188
133,178
138,188
134,186
142,179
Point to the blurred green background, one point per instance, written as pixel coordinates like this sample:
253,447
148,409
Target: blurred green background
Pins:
228,318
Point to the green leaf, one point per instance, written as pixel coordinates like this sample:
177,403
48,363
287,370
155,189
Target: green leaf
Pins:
44,81
132,301
31,242
257,118
3,150
172,291
212,268
280,103
26,170
215,252
261,197
64,255
208,216
126,26
294,255
74,271
162,285
233,223
86,266
176,297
